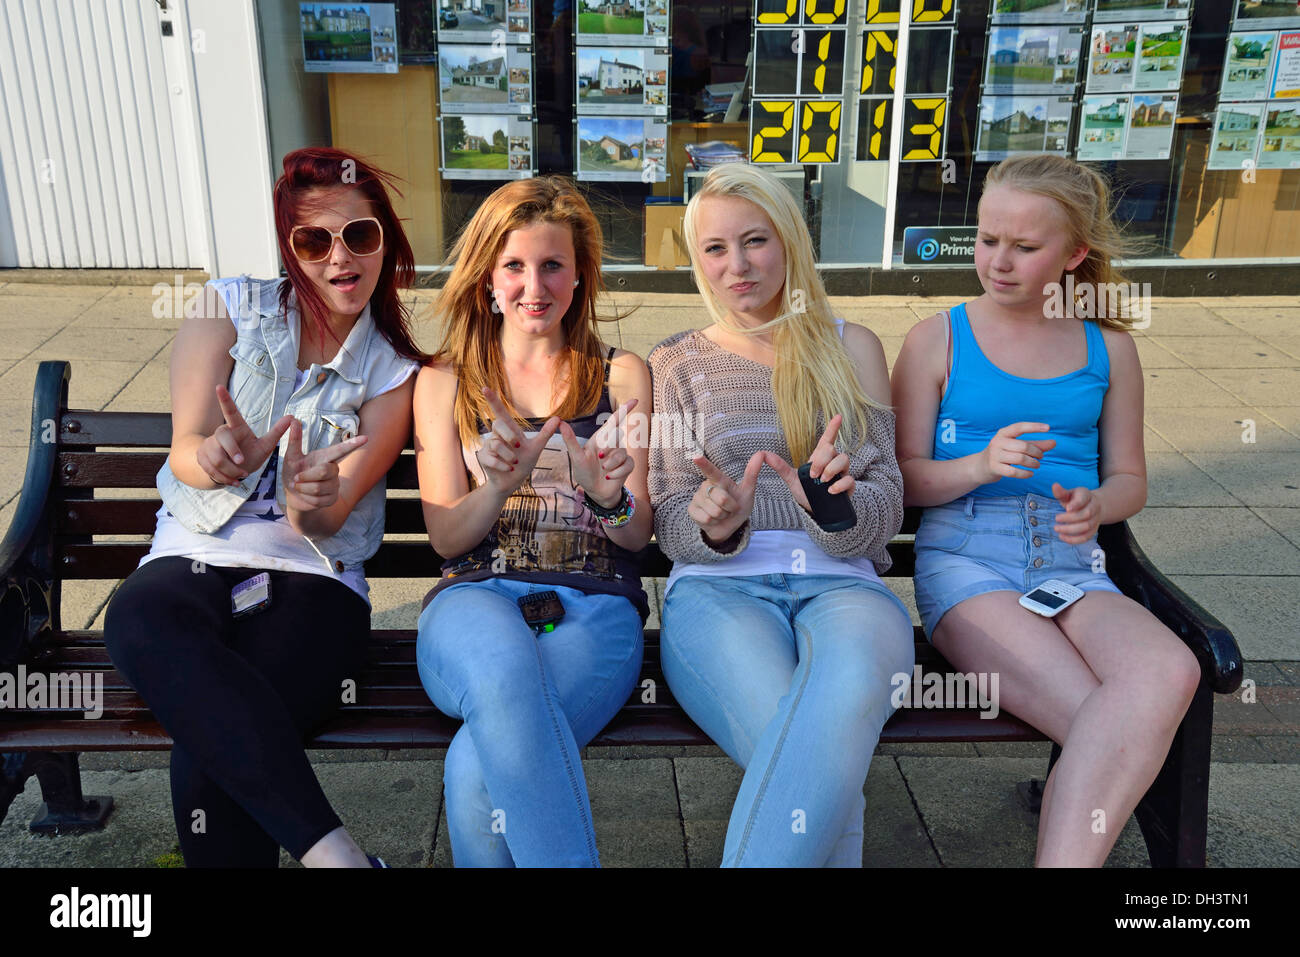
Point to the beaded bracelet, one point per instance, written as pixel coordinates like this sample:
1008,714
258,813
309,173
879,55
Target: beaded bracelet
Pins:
615,517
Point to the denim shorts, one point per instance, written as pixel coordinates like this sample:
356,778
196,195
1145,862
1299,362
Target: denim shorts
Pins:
981,544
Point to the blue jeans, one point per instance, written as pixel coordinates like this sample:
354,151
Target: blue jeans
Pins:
791,676
513,778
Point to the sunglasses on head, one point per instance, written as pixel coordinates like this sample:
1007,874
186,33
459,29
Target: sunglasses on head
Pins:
362,237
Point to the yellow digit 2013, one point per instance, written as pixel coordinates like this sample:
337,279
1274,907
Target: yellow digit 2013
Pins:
922,12
829,147
878,45
836,14
931,127
764,151
776,17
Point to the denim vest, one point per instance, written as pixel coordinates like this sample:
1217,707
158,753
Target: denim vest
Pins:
328,405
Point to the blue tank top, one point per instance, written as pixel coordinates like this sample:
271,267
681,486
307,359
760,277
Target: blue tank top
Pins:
981,399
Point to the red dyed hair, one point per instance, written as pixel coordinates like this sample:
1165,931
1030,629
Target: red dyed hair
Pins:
323,167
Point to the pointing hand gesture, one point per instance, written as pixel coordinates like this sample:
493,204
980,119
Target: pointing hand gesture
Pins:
825,462
230,453
1007,456
721,506
601,466
507,455
312,480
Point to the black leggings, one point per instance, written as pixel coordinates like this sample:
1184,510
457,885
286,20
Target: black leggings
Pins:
238,696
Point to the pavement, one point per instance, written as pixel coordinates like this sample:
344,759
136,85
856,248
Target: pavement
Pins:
1222,413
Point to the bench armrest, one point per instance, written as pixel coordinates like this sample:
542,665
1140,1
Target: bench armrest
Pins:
26,551
1211,642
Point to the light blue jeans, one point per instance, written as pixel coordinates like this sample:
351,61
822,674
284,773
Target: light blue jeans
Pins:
513,781
791,676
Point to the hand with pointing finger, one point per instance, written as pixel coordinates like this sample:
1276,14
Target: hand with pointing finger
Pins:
602,465
311,481
826,464
1008,456
233,451
507,455
721,506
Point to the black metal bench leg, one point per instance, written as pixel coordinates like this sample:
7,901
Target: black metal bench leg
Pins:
66,810
1174,813
1031,792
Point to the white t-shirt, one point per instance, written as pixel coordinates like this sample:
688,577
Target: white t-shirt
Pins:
778,551
259,535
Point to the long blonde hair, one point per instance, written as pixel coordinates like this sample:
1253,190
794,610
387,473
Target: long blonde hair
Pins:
1085,197
471,335
814,372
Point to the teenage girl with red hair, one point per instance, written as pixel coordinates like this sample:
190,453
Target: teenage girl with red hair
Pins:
291,399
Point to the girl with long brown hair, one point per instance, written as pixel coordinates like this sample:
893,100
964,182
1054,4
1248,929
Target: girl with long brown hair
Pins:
533,635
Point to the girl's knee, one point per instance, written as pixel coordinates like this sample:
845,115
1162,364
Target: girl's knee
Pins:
1181,673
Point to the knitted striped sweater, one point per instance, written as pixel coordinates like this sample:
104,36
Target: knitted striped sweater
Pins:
727,406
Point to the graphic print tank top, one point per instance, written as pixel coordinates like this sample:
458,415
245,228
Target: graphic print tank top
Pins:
545,533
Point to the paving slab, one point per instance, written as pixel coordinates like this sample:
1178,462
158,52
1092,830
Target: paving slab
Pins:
19,341
139,832
1288,344
1185,387
1259,610
1238,749
1239,351
114,313
1153,355
1256,478
43,311
1288,417
148,391
389,807
974,819
1213,541
1284,520
395,602
1282,749
83,602
895,321
1180,318
1243,713
1221,429
1174,480
13,466
634,809
1259,320
1253,820
1257,387
83,342
1283,704
1152,441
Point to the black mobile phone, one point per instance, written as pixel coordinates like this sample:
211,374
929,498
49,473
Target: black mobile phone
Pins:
834,513
541,610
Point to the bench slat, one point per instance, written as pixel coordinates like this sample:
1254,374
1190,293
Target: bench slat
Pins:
84,428
410,559
643,725
136,516
140,470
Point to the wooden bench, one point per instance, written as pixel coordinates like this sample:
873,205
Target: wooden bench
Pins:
58,534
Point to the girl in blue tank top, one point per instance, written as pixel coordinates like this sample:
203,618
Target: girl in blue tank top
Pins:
1020,430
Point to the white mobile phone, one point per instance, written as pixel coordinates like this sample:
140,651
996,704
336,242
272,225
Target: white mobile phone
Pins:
1051,598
